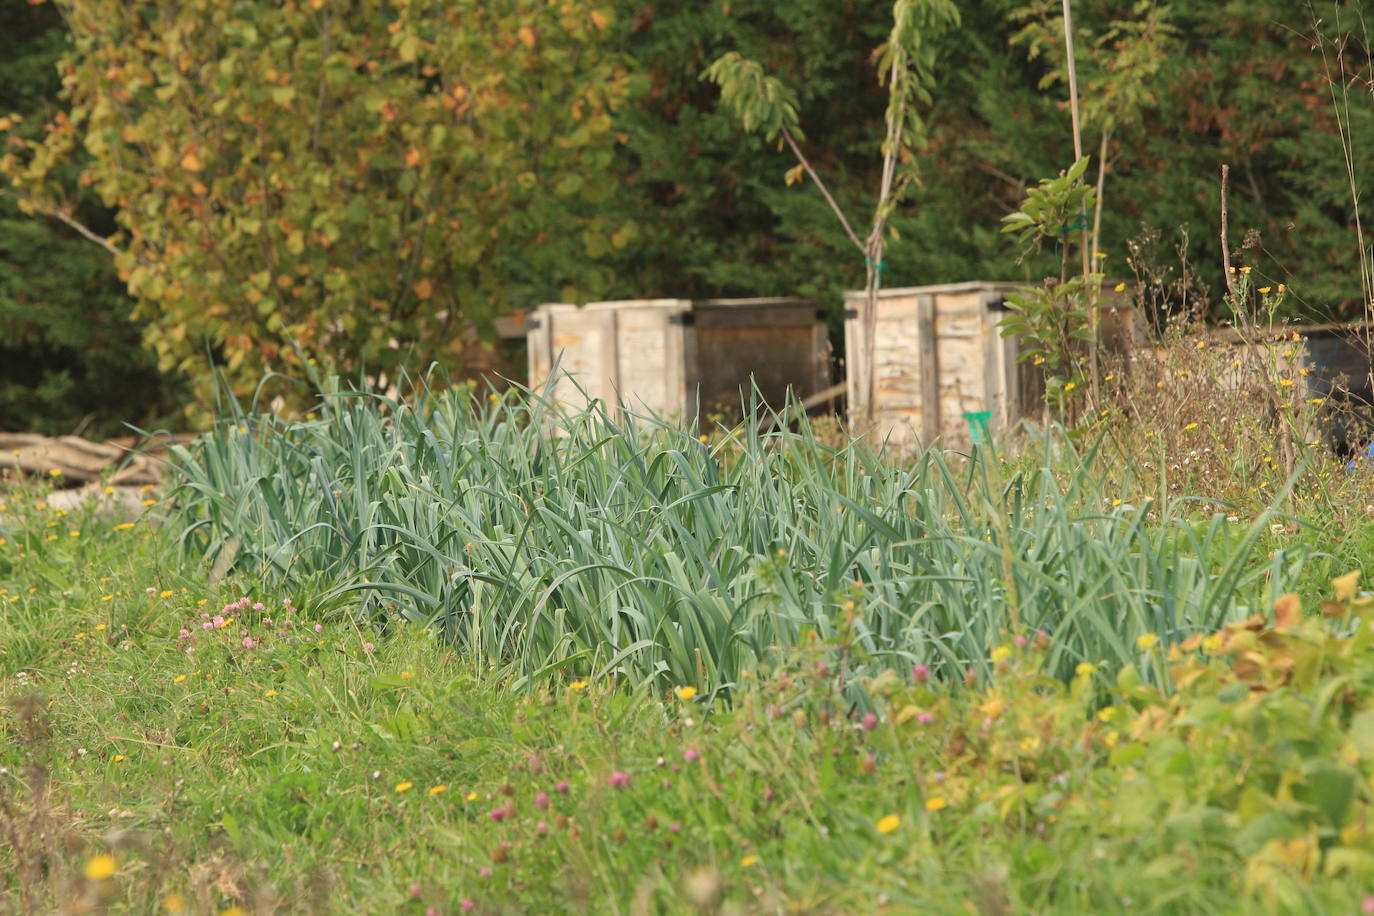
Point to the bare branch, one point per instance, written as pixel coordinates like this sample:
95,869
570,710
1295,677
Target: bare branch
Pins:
71,223
806,164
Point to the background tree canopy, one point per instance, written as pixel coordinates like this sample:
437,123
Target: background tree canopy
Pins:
376,180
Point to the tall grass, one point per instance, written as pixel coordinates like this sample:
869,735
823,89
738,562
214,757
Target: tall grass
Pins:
545,541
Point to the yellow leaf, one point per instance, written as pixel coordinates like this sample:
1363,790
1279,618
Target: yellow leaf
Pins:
413,157
191,162
794,174
600,19
424,289
101,867
1345,585
526,36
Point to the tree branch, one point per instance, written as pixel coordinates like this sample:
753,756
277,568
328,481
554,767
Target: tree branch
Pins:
806,164
68,221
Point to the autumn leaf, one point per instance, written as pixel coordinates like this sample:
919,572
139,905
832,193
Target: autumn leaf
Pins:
413,157
526,36
191,162
424,289
600,19
1287,610
795,174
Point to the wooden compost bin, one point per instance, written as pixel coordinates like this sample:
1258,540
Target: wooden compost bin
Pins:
938,355
666,356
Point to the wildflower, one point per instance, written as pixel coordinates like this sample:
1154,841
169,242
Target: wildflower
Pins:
1190,426
1245,270
920,673
369,648
578,685
497,814
100,626
888,824
686,693
150,502
178,679
935,804
56,472
119,758
561,788
1001,653
925,718
319,628
74,533
437,790
541,799
870,722
472,796
404,786
101,867
1147,641
1020,641
269,693
748,861
1085,669
1283,288
1120,287
1070,386
1264,289
691,755
124,526
248,642
166,593
620,779
468,904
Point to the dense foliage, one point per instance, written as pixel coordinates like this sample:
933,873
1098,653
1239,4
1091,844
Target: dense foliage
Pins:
641,551
646,187
71,357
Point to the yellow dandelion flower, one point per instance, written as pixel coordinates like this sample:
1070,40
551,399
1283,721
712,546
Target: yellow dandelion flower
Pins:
178,679
703,438
1190,426
686,693
1070,386
80,635
269,693
101,867
1120,287
150,502
174,903
1147,641
1000,653
123,526
404,786
888,824
747,861
74,533
935,804
1115,503
1264,289
1245,270
1282,289
1085,669
109,490
118,758
107,597
166,593
436,790
100,626
1212,643
578,685
56,472
405,675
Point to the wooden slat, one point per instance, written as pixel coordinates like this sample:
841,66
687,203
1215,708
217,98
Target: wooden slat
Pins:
928,366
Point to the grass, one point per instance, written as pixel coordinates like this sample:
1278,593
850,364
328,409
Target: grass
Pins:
892,747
